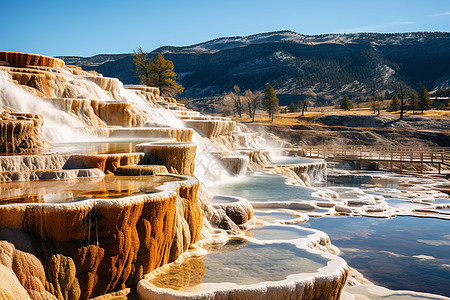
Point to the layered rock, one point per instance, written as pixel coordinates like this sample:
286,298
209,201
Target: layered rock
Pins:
179,134
32,162
51,249
119,113
236,165
108,84
309,173
19,59
21,133
107,163
179,158
149,89
49,174
81,108
212,128
239,210
72,244
139,170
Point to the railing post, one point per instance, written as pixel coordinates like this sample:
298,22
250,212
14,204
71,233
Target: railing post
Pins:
421,162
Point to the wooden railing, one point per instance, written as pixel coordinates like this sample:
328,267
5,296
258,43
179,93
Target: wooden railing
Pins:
390,154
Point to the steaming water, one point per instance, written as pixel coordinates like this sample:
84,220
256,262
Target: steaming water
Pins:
158,117
61,127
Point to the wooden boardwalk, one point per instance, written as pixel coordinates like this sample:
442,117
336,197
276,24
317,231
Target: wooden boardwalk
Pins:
390,154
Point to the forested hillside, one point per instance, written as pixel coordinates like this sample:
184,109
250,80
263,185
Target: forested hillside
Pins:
321,68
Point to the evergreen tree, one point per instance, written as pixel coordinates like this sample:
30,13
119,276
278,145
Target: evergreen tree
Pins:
402,92
395,103
413,102
292,107
424,99
142,66
346,103
299,105
158,73
270,101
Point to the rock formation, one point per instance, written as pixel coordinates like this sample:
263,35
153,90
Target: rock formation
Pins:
21,133
212,128
179,158
23,60
116,216
129,237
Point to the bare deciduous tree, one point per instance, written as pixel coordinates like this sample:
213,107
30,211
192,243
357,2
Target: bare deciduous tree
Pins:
253,102
236,96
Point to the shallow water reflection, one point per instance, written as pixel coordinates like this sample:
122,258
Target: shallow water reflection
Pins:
107,146
398,253
264,187
241,263
57,191
277,233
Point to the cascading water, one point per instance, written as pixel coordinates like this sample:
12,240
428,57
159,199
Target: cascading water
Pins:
267,190
58,125
157,116
207,167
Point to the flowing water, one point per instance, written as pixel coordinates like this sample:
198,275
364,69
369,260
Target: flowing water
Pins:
400,252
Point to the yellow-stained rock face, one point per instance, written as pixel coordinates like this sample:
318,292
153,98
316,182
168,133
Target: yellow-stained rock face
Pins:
80,108
21,133
108,163
61,251
11,287
139,170
179,158
36,267
192,213
19,59
212,128
118,113
41,81
127,239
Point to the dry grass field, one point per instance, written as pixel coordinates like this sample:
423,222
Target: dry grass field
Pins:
296,119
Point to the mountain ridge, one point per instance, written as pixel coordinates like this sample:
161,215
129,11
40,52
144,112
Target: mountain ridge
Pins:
318,67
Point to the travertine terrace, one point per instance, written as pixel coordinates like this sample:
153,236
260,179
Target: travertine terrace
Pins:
77,225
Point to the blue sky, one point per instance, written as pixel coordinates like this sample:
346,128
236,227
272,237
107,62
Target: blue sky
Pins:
86,28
